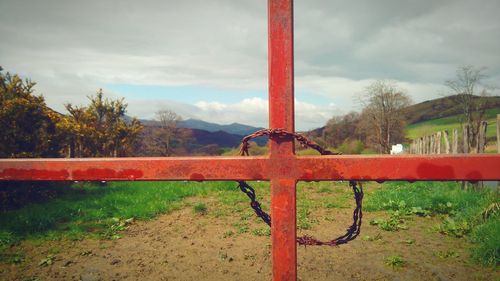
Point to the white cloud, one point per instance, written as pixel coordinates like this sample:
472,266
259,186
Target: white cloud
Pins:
72,48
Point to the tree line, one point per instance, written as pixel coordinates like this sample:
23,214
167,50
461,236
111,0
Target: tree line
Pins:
31,129
100,129
383,120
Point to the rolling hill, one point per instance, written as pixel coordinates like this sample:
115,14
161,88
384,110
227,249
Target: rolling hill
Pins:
442,107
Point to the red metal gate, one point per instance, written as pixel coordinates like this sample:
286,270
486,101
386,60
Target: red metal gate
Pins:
281,167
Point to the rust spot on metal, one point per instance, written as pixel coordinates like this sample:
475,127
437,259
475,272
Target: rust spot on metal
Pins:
432,170
98,174
197,177
33,174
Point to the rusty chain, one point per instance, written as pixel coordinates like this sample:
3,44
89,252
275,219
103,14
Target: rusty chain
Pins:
351,233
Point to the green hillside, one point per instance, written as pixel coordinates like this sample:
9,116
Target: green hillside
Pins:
449,123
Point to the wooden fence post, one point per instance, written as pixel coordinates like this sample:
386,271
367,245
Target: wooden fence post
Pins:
438,143
446,142
481,137
454,148
498,143
466,139
432,144
498,133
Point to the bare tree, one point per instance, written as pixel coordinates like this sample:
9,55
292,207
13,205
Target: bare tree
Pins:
468,88
383,119
341,128
167,120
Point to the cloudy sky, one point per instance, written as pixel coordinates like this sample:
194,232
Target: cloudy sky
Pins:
208,59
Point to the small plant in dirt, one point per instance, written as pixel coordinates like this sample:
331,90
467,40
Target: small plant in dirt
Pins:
228,233
86,253
394,223
241,227
200,208
325,189
115,225
48,260
262,232
454,228
12,258
395,261
376,237
32,278
491,210
446,254
409,241
7,239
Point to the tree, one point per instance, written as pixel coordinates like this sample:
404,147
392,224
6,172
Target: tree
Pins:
166,135
341,128
27,125
468,88
100,129
382,119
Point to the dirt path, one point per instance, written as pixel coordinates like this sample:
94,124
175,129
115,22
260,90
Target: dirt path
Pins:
188,246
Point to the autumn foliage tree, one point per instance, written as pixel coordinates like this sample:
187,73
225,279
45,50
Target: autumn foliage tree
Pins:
100,129
28,127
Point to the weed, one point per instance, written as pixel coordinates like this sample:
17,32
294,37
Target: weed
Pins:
454,228
325,189
409,241
48,260
115,225
492,209
377,237
86,253
200,208
7,239
262,232
486,242
394,223
228,233
447,254
241,227
32,278
473,213
14,258
395,261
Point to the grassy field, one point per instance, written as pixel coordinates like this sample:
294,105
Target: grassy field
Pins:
473,214
449,123
104,211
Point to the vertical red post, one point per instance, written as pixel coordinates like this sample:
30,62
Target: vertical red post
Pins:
281,115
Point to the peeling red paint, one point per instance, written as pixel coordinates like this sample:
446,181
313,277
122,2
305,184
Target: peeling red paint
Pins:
34,174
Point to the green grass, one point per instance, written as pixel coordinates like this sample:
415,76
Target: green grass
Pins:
449,123
395,261
97,210
462,212
200,208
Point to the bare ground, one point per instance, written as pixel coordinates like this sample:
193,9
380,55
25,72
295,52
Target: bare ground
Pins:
184,245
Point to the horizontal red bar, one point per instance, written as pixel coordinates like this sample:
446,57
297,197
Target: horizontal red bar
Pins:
335,167
400,167
165,168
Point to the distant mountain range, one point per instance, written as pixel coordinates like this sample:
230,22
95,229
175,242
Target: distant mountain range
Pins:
234,128
230,135
206,133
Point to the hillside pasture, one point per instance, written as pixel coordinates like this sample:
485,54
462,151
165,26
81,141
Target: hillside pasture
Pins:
450,123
